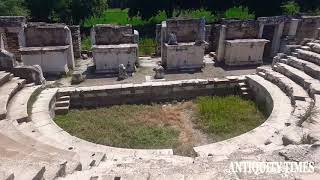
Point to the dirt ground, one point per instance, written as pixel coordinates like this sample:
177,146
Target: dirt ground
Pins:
145,72
180,116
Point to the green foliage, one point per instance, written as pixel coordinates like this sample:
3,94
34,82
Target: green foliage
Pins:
290,8
86,43
12,8
147,46
115,126
121,17
227,117
67,11
240,12
199,13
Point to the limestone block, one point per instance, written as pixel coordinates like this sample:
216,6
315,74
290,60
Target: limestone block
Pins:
33,74
78,77
183,56
51,59
244,51
107,58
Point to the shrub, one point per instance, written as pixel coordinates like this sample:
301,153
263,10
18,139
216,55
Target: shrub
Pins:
147,46
240,12
86,43
290,8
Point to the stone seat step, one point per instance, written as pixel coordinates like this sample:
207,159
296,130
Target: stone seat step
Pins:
314,125
242,84
63,104
20,170
61,110
12,132
309,68
18,105
289,87
244,89
308,56
7,91
46,130
310,84
4,77
12,150
307,48
32,130
6,175
315,47
63,98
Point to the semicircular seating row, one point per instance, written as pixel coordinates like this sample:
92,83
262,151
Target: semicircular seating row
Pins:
32,146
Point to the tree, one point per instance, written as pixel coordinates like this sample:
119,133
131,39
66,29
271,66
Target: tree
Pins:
67,11
12,8
41,10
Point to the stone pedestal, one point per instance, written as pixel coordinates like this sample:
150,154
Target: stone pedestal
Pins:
107,58
183,56
244,51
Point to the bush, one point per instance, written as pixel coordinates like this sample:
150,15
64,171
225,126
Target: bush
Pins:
290,8
12,8
147,46
86,43
240,12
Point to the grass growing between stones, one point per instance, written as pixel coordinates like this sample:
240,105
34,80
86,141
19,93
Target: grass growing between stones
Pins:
180,126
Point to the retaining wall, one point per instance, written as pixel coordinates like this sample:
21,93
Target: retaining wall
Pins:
149,92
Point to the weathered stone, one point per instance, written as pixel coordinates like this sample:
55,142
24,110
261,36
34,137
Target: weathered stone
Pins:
7,60
172,39
114,45
33,74
159,72
293,135
50,46
122,72
244,51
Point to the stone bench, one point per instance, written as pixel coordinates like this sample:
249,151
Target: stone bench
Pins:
18,105
52,59
292,89
48,131
8,128
12,151
4,77
309,68
308,56
310,84
107,58
6,92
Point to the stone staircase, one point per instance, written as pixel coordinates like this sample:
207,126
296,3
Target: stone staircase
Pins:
62,105
244,89
23,157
